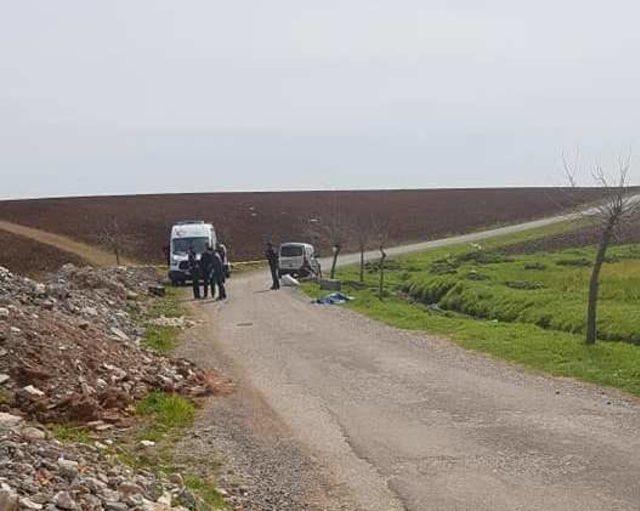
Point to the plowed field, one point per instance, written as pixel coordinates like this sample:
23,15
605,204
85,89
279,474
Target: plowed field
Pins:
28,257
247,220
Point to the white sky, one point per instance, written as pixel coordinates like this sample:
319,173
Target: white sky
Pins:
145,96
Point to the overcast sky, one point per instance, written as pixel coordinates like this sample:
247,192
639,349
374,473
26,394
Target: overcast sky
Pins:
142,96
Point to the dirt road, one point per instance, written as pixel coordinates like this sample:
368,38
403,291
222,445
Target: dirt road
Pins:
89,253
403,421
334,411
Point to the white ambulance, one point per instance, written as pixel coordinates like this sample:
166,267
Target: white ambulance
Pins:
187,234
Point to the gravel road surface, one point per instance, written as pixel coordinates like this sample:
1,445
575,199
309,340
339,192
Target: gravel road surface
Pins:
395,420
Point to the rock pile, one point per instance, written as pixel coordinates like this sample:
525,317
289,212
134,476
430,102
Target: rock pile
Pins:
70,350
38,473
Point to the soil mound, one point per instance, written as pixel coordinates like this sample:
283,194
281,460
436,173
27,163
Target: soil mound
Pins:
70,346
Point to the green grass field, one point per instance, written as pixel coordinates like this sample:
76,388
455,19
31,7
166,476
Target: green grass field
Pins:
526,308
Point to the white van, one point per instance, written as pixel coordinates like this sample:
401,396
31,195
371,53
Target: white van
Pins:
184,235
298,260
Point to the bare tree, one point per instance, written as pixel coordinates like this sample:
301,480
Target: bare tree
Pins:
380,230
362,237
112,237
618,206
361,230
331,227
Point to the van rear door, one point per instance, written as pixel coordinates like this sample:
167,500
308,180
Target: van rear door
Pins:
291,256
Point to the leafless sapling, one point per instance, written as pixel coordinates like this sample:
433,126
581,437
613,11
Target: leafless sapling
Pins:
618,206
361,229
380,229
112,237
330,227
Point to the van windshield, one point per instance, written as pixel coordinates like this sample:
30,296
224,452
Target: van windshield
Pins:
291,251
181,245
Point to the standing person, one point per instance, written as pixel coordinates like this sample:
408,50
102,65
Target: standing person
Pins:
217,276
166,250
272,257
222,252
194,269
206,267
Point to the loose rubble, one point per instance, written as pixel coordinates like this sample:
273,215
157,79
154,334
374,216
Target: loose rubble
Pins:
44,474
70,352
70,347
179,322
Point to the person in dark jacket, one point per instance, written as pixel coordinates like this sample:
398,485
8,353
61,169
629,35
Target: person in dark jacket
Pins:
218,276
206,267
222,252
272,257
194,269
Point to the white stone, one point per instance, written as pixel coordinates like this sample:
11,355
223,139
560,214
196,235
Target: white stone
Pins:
4,313
8,420
64,501
119,334
165,499
33,433
33,391
26,503
4,378
69,466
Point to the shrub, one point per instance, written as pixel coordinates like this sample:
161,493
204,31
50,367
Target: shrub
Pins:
444,266
476,275
389,265
167,410
524,284
162,339
430,290
535,265
483,257
581,261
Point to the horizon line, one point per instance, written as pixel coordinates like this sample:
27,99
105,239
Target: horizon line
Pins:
274,191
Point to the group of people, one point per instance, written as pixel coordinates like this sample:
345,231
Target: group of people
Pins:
210,271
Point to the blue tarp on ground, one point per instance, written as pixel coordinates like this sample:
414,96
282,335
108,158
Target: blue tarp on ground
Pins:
334,299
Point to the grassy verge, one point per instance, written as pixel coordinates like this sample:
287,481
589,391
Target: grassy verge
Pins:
162,419
165,414
530,315
69,433
163,339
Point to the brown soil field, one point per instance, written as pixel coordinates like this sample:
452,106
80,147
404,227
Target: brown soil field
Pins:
246,221
30,258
